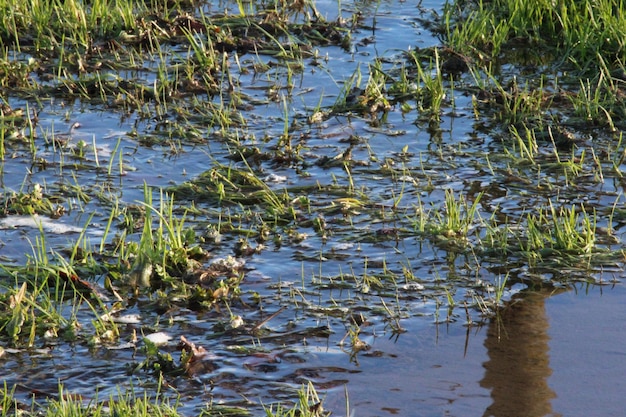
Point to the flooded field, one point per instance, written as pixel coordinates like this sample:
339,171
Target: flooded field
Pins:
364,208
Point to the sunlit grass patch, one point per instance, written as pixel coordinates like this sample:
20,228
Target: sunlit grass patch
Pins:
557,29
42,298
568,236
128,403
308,404
452,223
565,231
135,403
48,24
581,58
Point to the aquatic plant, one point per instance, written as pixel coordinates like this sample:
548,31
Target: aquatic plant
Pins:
309,404
541,26
452,222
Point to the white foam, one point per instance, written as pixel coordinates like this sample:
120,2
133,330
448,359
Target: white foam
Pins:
47,224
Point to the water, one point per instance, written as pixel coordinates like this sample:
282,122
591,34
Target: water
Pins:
586,351
557,349
557,353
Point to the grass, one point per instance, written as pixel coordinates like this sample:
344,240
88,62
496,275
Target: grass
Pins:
132,403
549,235
542,26
64,403
376,176
42,298
451,223
309,404
432,92
33,201
567,231
166,250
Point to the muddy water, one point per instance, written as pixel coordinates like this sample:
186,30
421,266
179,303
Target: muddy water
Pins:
553,350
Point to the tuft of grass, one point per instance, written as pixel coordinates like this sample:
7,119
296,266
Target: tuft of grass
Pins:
49,25
430,90
309,404
597,101
453,221
63,403
566,231
543,26
34,201
42,298
525,147
166,251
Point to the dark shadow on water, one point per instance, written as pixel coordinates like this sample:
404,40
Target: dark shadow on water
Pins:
519,363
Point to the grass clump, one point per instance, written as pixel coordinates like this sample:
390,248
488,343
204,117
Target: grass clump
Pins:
551,235
166,261
580,42
32,202
308,405
64,403
166,251
567,231
580,31
129,403
38,310
452,223
229,185
48,24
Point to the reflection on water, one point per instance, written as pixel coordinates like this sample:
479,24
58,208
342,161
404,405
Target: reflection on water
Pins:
519,364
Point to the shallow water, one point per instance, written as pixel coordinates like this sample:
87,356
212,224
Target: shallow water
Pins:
559,354
555,350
